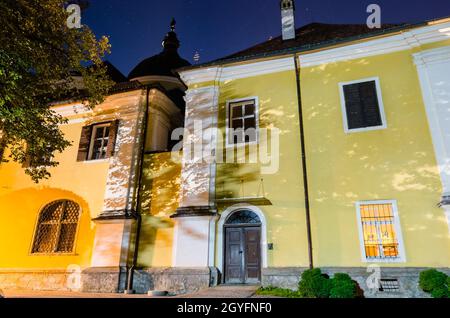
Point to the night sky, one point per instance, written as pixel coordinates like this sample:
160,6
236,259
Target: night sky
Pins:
218,28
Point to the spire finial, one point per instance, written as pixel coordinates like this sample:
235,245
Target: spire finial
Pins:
171,42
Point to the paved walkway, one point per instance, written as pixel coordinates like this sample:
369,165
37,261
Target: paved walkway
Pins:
216,292
224,291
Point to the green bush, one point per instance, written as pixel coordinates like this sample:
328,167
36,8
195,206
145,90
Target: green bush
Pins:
278,292
314,284
440,292
342,286
434,282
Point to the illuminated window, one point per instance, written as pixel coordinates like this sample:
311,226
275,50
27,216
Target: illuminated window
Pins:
380,231
99,142
56,228
242,121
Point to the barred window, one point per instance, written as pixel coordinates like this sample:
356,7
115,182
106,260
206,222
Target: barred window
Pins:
243,217
56,228
380,230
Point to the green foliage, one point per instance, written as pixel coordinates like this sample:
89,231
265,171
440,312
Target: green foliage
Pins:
39,55
278,292
342,286
314,284
434,282
440,292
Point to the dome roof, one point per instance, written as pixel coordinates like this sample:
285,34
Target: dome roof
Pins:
163,63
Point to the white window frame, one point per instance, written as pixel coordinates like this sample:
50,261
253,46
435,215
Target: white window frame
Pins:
91,143
227,121
380,105
398,232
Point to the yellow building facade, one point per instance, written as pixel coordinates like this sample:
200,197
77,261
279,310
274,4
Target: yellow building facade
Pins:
344,166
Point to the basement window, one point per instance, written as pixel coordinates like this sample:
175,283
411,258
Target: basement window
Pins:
389,285
362,105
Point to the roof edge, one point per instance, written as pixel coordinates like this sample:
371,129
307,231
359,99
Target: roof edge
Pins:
306,48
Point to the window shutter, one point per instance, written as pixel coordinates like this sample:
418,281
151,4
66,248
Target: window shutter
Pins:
2,150
85,140
353,106
113,131
369,102
362,107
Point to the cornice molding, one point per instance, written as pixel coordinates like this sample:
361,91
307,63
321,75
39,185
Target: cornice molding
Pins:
227,73
394,43
199,76
432,57
404,40
111,102
258,68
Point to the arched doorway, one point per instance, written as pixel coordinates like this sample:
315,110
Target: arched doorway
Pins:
242,248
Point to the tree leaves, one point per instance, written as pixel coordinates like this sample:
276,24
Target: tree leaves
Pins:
39,56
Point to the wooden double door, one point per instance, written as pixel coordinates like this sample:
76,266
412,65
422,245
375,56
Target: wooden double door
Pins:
242,254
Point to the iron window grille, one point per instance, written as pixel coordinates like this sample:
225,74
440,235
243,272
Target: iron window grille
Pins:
56,228
242,122
243,217
389,285
99,142
380,237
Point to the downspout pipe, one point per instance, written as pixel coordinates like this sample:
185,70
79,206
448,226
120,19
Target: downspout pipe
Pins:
130,271
304,161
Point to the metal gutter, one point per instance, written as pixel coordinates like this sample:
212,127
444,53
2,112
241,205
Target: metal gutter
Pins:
130,270
304,167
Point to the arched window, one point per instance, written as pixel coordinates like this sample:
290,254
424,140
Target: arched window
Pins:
243,217
56,227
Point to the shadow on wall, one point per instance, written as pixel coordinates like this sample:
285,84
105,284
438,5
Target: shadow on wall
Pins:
396,163
159,200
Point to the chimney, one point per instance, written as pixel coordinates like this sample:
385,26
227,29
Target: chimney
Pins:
287,19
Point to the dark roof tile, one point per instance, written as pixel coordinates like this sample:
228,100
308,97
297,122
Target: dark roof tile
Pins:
311,35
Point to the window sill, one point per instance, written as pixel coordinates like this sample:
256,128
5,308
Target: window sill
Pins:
359,130
53,254
385,260
95,161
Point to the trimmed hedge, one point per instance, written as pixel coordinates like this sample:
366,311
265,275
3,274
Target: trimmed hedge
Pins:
314,284
278,292
342,286
435,282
